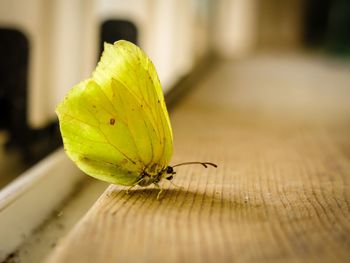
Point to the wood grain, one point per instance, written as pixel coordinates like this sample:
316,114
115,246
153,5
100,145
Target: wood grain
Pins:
280,192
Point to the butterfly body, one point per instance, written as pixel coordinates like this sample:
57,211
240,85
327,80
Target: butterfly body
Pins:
147,179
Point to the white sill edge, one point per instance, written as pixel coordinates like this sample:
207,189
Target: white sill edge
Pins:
32,197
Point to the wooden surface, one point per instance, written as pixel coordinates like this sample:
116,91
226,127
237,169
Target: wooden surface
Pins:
279,130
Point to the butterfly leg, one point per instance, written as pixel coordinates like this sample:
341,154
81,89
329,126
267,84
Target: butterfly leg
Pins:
178,186
160,190
131,187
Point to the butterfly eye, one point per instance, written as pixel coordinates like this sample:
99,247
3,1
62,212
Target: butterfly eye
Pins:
169,170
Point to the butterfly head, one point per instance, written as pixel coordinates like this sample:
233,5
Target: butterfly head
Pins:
166,173
147,179
169,173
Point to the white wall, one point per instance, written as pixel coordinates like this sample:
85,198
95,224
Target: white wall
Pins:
73,47
64,41
59,57
235,27
29,17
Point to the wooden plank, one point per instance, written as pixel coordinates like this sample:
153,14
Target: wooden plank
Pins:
280,192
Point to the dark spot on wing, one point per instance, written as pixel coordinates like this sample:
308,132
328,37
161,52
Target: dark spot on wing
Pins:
111,121
94,106
158,101
141,106
84,158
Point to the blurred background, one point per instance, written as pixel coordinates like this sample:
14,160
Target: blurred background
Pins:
48,46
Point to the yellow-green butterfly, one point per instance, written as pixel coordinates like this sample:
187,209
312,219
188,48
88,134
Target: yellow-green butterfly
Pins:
115,125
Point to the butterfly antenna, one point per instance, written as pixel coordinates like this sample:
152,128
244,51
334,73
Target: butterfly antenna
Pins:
205,164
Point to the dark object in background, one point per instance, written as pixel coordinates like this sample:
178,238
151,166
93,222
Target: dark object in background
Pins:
113,30
338,38
316,13
33,144
14,57
327,25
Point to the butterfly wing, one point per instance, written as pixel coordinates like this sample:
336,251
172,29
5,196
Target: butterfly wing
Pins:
133,75
115,125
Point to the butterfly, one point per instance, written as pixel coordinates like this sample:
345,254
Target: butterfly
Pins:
115,125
